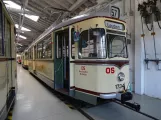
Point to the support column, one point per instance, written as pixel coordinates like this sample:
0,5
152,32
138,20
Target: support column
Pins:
139,54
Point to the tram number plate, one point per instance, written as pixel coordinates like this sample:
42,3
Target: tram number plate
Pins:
115,12
110,70
119,86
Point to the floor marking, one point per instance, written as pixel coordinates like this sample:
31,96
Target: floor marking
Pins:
10,114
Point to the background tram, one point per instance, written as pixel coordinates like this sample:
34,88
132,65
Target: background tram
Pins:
19,59
85,57
8,72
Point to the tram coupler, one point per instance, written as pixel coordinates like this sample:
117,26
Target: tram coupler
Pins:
123,97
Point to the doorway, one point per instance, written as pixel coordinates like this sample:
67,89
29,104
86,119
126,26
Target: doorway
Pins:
61,62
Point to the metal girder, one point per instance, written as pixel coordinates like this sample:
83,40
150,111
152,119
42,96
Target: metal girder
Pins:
33,29
71,1
77,5
61,4
53,3
54,6
39,6
19,11
93,1
38,26
38,12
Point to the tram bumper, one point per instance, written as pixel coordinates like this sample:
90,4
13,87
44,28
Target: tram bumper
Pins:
121,96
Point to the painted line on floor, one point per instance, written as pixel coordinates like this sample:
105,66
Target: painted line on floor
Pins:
69,105
10,114
65,101
73,107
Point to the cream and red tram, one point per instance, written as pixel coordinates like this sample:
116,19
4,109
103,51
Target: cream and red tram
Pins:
85,57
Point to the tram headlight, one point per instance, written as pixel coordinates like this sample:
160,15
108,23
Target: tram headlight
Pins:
121,76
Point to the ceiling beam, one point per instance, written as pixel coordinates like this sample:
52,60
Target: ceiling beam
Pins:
77,5
71,1
16,19
53,3
19,11
61,4
39,6
37,25
36,11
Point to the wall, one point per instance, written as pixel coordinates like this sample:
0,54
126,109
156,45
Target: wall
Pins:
148,81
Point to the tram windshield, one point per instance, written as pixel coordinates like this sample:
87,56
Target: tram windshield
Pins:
92,44
117,46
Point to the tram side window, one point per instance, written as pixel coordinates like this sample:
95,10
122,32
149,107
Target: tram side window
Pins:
7,41
47,47
26,55
35,52
72,44
59,45
44,48
31,54
92,44
1,29
39,50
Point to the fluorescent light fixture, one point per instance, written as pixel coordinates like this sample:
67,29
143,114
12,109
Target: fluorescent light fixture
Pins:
22,28
23,37
19,44
32,17
12,4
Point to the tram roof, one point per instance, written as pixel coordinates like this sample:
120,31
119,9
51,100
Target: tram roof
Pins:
70,22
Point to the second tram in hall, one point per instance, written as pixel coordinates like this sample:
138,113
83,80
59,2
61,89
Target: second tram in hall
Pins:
85,57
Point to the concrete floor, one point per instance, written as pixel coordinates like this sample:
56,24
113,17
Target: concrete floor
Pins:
35,102
149,105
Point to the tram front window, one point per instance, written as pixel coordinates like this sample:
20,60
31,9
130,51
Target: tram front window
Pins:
117,46
92,44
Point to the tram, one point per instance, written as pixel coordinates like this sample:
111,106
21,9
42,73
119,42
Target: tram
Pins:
8,72
85,57
19,59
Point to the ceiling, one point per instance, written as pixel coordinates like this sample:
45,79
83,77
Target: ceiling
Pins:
48,11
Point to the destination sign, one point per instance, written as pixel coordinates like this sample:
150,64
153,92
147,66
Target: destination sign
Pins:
113,25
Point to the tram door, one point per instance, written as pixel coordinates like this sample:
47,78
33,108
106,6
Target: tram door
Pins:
61,61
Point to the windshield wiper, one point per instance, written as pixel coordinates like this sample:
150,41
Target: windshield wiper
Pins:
123,49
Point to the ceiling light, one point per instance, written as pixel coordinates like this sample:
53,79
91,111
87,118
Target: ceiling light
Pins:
22,28
32,17
23,37
19,44
12,4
